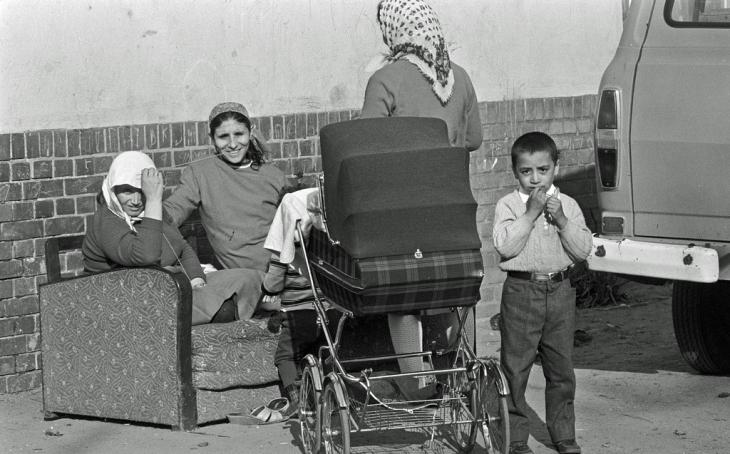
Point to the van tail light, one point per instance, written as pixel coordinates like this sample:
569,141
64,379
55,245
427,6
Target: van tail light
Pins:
607,139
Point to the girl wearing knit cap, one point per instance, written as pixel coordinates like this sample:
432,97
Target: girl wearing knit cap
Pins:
236,192
420,80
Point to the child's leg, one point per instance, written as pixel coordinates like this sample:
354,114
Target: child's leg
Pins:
406,333
298,331
556,351
523,312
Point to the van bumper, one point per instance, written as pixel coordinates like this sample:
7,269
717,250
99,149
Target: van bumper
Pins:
658,260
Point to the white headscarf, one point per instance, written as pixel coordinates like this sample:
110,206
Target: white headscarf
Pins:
412,31
125,169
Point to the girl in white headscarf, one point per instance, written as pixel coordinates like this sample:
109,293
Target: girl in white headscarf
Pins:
419,79
127,230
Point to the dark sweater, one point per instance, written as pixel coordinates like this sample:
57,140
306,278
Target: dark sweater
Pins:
110,243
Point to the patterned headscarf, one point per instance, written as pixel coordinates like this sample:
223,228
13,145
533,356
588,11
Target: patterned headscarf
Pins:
412,31
125,169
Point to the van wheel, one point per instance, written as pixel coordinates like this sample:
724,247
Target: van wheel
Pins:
701,317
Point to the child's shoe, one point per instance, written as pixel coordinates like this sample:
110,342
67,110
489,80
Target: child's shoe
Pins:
567,447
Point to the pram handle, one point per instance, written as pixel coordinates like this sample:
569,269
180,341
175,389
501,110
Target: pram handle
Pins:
320,188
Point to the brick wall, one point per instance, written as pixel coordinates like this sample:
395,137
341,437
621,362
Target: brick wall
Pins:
48,181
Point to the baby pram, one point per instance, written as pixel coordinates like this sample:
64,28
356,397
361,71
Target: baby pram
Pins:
398,234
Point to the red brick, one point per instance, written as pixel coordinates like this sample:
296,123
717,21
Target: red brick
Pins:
114,141
4,172
162,159
42,169
191,134
24,286
44,208
4,147
180,157
177,135
86,204
333,117
171,177
7,363
27,362
84,166
20,171
290,149
19,306
46,143
102,164
290,127
151,137
50,188
74,142
6,212
65,206
21,230
17,146
24,382
22,211
277,128
305,148
84,185
24,248
11,268
13,345
136,133
32,145
64,225
63,168
34,266
6,253
6,288
312,129
265,127
275,150
203,133
59,143
92,141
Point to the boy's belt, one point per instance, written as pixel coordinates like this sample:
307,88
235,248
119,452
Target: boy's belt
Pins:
540,277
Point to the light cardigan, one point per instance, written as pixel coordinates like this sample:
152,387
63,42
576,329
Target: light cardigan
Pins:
538,246
236,207
399,89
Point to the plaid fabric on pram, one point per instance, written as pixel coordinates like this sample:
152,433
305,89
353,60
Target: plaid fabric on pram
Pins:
401,283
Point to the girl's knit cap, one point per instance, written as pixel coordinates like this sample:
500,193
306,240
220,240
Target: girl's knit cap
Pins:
225,107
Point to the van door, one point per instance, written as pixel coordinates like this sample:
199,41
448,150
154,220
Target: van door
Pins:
680,127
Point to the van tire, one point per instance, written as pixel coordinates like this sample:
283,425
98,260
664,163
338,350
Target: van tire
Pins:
702,325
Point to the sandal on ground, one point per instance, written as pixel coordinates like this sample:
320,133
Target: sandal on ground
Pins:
276,411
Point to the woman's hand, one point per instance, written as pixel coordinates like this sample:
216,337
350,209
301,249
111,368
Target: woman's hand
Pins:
197,282
152,184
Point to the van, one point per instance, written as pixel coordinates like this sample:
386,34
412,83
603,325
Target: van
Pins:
662,153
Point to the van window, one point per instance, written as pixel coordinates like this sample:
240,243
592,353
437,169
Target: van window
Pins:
698,13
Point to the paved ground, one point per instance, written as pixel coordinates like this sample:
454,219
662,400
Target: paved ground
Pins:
635,395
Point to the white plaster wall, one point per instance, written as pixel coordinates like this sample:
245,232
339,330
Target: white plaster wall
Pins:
77,64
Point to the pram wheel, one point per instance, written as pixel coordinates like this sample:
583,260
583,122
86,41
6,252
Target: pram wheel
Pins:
464,407
495,413
335,417
310,409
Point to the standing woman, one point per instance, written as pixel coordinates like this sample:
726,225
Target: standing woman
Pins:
236,192
420,80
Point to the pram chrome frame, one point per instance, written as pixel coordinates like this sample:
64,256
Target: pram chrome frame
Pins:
473,397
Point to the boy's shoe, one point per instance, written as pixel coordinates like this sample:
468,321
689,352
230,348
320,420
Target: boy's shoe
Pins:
567,447
519,447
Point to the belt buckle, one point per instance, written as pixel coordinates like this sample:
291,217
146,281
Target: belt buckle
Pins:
541,277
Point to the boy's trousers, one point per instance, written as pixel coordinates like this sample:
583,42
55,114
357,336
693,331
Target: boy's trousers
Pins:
539,317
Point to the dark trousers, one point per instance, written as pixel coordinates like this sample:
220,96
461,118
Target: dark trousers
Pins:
539,317
300,335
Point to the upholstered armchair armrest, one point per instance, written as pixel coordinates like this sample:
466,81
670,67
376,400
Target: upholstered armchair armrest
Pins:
117,345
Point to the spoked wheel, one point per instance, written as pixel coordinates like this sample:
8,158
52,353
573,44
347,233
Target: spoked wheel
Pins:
310,408
464,409
495,412
335,420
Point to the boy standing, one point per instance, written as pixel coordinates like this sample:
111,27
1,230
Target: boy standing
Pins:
539,234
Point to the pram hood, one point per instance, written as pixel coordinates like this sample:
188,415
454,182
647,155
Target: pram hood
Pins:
396,186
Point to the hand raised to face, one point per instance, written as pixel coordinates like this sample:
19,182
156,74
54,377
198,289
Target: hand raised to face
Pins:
152,184
536,202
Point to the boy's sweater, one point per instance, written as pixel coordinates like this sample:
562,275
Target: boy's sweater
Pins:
539,246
